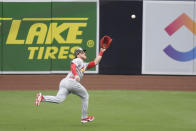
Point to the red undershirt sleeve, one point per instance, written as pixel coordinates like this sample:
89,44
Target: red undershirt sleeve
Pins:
91,64
73,69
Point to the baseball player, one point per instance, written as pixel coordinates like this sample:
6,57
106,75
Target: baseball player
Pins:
71,83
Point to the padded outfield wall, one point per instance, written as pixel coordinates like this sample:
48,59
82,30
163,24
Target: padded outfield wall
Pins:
169,32
39,37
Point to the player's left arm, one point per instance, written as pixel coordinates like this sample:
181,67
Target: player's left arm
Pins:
97,59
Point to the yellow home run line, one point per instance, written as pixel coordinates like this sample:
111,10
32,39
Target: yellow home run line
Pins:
5,18
48,19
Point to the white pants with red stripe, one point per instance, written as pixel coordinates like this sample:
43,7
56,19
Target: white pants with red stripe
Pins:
67,86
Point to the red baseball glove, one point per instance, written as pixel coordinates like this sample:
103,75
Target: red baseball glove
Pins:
105,42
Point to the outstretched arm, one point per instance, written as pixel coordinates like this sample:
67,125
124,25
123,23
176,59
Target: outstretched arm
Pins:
97,59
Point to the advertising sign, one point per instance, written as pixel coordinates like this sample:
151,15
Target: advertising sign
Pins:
40,37
169,37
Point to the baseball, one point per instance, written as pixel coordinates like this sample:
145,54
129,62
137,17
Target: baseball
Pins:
133,16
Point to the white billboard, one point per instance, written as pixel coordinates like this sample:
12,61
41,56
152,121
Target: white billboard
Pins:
169,38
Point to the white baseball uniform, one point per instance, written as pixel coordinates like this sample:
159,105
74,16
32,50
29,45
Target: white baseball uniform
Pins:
70,85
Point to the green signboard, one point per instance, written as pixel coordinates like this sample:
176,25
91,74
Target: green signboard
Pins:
1,38
40,37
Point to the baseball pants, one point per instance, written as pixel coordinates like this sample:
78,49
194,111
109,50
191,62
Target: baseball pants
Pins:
67,86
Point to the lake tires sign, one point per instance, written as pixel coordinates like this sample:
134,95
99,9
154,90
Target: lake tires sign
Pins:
39,38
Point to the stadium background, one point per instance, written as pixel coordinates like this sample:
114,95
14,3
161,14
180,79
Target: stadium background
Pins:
113,99
124,57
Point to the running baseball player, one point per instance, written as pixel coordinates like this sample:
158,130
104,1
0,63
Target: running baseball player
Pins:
71,83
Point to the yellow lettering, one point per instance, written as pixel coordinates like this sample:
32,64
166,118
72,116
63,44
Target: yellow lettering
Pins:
12,36
74,32
40,54
54,32
63,52
32,52
50,52
33,32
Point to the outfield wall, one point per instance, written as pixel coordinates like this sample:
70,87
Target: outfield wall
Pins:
125,54
169,32
39,37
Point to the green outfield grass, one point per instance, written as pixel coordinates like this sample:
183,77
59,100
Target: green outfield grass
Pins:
113,110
